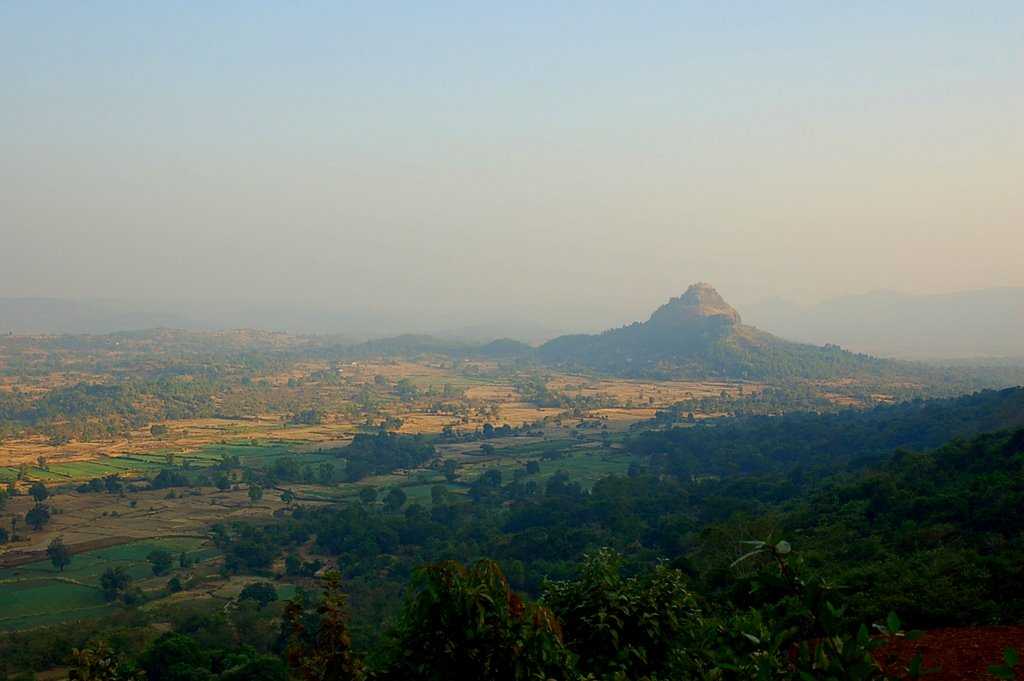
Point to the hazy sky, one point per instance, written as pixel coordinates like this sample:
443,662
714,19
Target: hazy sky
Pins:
548,157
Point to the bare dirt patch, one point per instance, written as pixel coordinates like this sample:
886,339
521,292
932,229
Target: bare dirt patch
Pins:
958,654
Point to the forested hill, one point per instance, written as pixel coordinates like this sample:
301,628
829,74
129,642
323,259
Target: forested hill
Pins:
934,537
763,444
895,536
700,335
412,345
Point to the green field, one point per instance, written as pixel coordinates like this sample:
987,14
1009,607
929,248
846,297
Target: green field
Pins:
258,454
37,594
586,465
46,601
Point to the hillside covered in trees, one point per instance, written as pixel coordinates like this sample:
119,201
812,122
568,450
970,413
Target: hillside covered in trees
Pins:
700,335
934,537
642,576
825,443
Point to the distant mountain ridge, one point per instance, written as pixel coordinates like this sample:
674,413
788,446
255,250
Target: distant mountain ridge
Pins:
962,325
67,316
59,316
697,335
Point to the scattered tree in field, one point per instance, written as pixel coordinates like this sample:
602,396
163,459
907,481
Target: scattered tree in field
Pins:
325,473
38,516
255,493
113,484
159,430
59,554
161,561
383,453
438,495
39,492
114,582
263,593
288,497
450,470
406,389
395,499
59,439
309,417
368,495
169,478
491,478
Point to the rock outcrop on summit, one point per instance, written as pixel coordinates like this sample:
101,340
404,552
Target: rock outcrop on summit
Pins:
700,301
699,335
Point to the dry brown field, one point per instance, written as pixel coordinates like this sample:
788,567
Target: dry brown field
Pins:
656,394
90,521
484,400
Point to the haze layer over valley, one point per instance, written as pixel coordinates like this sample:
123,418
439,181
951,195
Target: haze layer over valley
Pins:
511,341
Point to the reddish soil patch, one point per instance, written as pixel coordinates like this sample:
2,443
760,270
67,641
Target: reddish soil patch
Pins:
959,654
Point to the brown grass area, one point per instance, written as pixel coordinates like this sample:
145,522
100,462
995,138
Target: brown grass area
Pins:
185,436
191,434
621,419
394,371
38,385
22,556
633,400
83,520
654,394
493,393
297,371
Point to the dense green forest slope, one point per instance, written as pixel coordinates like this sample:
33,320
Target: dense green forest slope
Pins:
937,536
946,551
849,518
825,443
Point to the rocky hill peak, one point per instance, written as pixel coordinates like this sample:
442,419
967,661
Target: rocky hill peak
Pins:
701,301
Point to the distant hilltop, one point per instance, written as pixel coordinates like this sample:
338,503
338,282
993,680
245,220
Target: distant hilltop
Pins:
700,300
698,334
